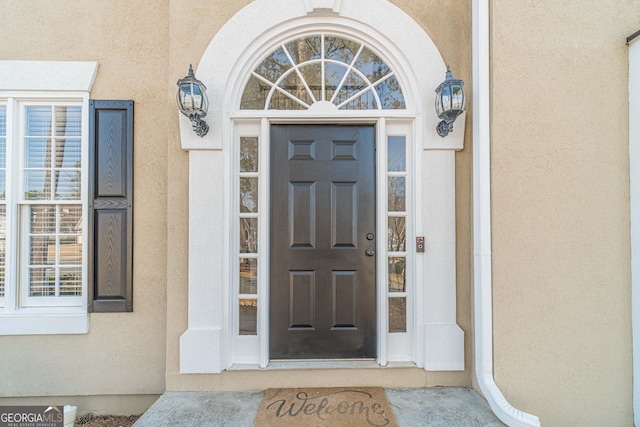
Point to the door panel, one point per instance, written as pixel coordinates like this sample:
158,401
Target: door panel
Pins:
302,301
302,219
344,219
322,281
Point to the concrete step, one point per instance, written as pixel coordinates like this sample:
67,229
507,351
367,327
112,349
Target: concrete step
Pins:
434,407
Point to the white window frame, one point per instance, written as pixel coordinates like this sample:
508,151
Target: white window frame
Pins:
21,314
46,83
19,203
248,349
401,346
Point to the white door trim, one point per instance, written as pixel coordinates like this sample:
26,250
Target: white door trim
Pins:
248,351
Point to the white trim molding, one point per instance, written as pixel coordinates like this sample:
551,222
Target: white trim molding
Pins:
483,333
634,178
45,323
47,75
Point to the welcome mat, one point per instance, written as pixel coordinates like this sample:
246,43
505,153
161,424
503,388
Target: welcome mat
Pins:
319,407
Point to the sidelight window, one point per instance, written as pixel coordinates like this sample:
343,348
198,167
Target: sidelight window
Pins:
397,233
248,210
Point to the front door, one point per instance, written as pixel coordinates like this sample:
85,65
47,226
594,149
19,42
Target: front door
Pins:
322,282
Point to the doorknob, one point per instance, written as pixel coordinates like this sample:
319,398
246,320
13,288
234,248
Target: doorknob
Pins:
369,252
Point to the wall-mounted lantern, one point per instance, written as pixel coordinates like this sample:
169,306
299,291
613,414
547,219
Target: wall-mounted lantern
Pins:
193,102
449,103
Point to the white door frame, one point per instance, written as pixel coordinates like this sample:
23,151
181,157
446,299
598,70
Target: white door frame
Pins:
391,347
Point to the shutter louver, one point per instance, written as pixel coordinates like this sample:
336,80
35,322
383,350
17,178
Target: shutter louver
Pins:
111,206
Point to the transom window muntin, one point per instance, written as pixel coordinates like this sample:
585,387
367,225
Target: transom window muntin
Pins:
325,68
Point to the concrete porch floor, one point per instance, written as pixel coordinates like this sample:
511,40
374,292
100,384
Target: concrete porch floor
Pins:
437,407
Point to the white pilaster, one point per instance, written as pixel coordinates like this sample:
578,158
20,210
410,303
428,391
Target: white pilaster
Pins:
444,340
201,348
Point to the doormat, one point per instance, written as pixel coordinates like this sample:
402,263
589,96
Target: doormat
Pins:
319,407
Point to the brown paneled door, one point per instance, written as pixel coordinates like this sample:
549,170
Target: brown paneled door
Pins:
323,263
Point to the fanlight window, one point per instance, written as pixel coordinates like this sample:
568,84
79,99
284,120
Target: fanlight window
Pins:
322,68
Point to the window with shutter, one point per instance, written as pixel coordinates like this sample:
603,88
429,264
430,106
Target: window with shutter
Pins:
65,199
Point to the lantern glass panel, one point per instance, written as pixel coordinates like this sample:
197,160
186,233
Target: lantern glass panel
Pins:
457,97
446,99
201,104
186,103
197,97
200,98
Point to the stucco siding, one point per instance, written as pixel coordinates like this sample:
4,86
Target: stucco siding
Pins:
561,209
123,354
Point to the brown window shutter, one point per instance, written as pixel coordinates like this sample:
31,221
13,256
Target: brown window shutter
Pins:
110,206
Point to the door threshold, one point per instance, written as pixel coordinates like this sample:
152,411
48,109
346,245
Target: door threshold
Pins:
322,364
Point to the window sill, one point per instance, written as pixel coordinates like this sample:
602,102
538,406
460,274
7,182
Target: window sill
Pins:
30,323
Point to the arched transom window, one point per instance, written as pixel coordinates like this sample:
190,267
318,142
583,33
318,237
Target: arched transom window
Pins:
322,68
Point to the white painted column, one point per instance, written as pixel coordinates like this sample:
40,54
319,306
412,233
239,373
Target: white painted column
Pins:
444,339
201,346
634,172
